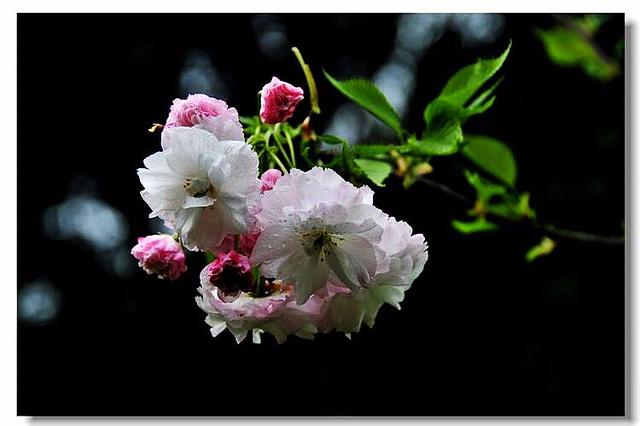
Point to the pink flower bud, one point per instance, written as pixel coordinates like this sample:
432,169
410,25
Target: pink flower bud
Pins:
160,254
278,101
269,179
230,273
210,114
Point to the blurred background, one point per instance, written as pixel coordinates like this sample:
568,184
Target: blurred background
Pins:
482,331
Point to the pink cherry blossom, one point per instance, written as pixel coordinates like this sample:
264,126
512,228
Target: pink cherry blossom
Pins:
245,245
276,313
278,101
160,254
230,273
269,179
210,114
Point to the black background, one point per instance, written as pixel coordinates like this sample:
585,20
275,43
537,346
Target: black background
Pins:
482,332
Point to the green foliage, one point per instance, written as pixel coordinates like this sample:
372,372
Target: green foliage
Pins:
465,83
380,152
478,225
250,124
485,189
497,199
376,171
367,95
349,161
492,156
445,115
432,144
373,170
568,46
591,23
210,257
332,140
444,131
543,248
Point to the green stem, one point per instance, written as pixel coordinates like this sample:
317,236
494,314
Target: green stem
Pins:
276,136
291,150
311,83
277,161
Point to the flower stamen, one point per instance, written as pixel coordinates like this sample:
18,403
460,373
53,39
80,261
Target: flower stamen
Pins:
198,187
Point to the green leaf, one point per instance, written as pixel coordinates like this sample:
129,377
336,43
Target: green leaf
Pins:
492,156
349,161
591,23
250,124
478,225
466,82
332,140
482,102
367,95
442,143
249,121
376,171
210,257
376,151
444,132
567,47
543,248
305,148
485,190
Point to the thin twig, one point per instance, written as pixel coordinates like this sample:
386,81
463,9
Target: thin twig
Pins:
549,229
582,236
444,188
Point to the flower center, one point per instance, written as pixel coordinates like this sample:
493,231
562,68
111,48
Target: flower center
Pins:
198,187
319,241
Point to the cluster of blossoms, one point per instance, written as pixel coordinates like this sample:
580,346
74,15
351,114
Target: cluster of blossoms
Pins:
296,252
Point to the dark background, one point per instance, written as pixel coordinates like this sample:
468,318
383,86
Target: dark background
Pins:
481,332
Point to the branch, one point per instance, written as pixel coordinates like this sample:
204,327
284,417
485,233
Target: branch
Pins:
550,229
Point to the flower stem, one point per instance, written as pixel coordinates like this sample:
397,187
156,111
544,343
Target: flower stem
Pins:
291,150
276,136
277,161
311,83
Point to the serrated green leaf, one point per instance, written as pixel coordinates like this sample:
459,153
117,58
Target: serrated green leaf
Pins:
376,171
332,140
478,225
375,151
543,248
349,161
444,142
567,47
491,155
444,132
367,95
466,82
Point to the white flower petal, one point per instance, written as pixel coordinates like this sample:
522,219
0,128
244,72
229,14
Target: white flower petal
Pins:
274,244
187,139
202,228
353,261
